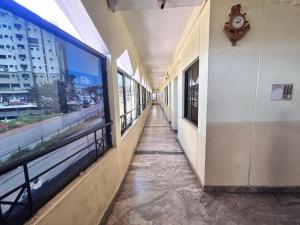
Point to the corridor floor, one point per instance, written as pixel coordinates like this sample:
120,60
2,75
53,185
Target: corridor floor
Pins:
161,189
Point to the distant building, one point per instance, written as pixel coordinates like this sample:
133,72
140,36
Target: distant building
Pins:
29,56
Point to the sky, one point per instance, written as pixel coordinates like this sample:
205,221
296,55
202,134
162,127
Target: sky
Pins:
50,11
83,65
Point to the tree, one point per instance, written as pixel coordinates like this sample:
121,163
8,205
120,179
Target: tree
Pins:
50,97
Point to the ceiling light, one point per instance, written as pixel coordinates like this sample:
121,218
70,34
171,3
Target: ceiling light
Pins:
161,3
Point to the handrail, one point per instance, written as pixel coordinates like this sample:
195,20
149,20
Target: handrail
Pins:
124,114
32,188
44,151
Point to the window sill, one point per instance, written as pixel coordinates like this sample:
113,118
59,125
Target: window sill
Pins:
193,125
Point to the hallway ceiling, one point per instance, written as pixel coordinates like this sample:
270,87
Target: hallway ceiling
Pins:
156,33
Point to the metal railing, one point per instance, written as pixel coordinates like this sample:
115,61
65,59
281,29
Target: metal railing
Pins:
26,184
129,117
49,134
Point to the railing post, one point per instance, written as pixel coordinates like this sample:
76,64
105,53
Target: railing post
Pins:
103,140
96,145
1,216
108,135
27,183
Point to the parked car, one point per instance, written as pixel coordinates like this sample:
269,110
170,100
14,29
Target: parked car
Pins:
85,104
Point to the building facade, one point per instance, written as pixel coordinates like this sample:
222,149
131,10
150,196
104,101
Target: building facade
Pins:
29,56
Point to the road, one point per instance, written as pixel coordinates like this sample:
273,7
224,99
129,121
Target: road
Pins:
31,134
15,178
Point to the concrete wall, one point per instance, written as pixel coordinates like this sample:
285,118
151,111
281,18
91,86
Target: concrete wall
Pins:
252,140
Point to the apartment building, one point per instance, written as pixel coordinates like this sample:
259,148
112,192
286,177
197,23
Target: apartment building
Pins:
29,56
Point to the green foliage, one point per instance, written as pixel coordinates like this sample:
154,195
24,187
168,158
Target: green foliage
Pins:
50,97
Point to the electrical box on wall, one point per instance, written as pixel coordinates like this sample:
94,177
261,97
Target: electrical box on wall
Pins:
282,92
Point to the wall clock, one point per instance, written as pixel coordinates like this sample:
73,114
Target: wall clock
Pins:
237,26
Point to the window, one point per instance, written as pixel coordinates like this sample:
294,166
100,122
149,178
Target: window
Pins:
2,56
4,67
22,56
15,86
144,100
191,86
4,76
25,76
76,99
24,66
17,26
154,97
19,36
33,41
21,46
129,100
4,87
167,95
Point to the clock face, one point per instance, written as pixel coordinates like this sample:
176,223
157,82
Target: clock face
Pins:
238,22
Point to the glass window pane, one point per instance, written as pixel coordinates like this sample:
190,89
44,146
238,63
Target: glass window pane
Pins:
52,84
191,92
53,90
128,94
121,94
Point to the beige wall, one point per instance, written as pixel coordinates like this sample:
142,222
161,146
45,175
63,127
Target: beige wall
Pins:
243,138
250,139
193,46
86,199
174,104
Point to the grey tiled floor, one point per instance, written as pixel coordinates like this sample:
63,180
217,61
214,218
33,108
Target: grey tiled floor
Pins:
161,189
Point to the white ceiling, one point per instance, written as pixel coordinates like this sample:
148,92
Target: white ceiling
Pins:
156,34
